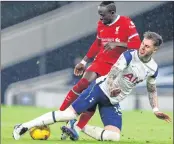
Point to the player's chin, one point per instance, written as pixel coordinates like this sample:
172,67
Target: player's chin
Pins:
105,22
142,54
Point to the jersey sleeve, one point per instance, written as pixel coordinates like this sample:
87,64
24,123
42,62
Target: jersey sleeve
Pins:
152,79
133,36
95,47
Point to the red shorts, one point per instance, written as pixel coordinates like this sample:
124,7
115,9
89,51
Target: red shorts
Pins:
101,68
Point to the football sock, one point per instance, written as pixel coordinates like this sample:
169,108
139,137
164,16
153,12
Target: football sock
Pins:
73,94
84,118
50,118
101,134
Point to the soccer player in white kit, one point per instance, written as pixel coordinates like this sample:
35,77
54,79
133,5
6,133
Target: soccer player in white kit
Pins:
130,69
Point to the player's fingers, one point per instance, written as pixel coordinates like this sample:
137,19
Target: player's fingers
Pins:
75,71
80,73
106,48
106,45
168,120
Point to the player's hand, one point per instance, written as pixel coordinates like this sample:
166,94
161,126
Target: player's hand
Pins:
79,69
110,46
162,116
114,91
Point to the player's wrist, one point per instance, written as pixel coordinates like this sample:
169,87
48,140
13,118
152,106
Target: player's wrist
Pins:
83,62
155,109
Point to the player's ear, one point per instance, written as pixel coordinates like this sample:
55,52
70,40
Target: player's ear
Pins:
155,49
112,12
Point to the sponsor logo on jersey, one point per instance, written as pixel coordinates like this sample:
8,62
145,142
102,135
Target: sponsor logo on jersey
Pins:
132,79
117,40
106,40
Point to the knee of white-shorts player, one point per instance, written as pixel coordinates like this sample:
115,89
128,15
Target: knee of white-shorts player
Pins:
110,136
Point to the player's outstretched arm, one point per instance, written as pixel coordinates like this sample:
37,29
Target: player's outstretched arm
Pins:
92,52
153,99
80,67
134,43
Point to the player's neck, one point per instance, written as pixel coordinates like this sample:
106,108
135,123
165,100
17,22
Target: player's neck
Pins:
114,18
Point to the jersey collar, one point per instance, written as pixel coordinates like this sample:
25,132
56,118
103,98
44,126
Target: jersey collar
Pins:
118,17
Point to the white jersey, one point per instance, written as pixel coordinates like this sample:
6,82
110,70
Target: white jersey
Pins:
133,72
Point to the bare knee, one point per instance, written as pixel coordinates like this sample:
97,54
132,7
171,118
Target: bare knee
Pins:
90,76
111,133
112,128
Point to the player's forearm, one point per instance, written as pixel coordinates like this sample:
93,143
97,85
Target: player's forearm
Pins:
152,93
129,45
114,72
94,49
122,44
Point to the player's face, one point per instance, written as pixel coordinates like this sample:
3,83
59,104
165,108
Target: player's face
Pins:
105,16
147,48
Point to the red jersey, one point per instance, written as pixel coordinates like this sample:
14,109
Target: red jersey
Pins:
121,30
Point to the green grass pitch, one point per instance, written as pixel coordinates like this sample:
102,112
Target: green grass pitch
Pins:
139,127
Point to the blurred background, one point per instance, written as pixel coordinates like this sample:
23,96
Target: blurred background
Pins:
41,42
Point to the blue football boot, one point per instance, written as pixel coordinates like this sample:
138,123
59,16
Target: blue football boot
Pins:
70,130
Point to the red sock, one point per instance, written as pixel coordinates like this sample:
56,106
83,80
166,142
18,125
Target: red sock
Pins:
71,96
84,118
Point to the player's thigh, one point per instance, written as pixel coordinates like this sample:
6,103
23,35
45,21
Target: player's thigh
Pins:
92,109
111,117
87,99
90,76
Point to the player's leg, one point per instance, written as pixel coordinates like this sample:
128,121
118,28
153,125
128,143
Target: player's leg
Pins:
73,125
112,120
101,69
46,119
92,97
87,99
83,83
85,117
72,95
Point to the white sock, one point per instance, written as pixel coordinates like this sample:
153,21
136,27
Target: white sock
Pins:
50,118
101,134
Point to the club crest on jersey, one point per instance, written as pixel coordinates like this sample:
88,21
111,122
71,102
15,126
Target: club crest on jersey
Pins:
117,29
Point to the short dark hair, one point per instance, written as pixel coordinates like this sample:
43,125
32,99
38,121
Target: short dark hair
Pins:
110,5
158,40
105,3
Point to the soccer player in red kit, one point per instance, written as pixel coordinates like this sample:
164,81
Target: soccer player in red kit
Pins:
115,34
